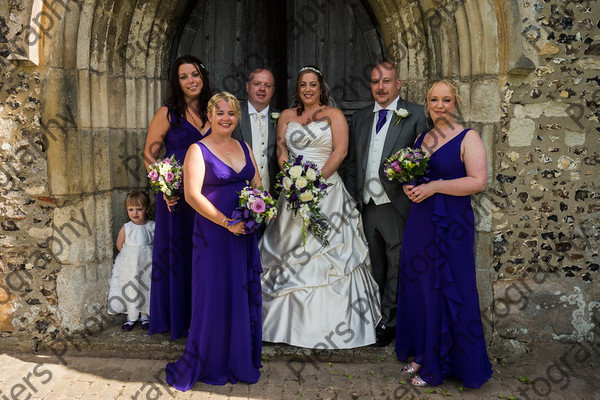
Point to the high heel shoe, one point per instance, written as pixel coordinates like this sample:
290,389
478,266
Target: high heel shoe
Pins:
409,369
418,381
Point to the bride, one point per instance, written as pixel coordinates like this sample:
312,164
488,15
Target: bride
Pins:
317,296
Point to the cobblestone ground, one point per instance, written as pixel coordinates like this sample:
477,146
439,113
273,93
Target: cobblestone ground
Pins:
570,373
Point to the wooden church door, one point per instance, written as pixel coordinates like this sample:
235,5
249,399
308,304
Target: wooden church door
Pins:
233,37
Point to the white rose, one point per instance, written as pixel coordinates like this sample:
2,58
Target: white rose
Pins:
304,210
301,183
311,174
306,197
287,183
275,115
403,113
295,171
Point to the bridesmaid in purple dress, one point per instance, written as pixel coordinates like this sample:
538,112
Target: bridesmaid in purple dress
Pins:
438,305
225,338
179,123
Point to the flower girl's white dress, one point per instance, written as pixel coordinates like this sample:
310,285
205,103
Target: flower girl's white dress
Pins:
129,286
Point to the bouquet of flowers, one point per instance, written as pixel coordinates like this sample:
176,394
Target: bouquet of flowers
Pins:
303,186
165,176
408,165
256,206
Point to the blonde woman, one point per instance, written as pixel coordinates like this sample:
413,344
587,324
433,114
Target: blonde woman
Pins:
224,341
439,323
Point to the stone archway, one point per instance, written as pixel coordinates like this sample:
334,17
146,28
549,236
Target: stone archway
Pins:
104,69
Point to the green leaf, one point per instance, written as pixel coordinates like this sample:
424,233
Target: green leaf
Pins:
525,380
512,398
461,388
372,373
430,391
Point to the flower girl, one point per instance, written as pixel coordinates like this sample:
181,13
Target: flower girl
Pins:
129,286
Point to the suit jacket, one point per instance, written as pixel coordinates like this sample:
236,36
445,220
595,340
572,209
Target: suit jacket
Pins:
243,131
398,136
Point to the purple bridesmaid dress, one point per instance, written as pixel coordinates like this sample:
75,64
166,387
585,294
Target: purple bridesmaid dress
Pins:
438,305
225,338
170,293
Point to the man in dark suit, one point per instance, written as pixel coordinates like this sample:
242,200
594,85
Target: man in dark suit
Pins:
377,132
258,124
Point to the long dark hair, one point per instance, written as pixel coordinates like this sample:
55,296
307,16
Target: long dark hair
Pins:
176,100
323,97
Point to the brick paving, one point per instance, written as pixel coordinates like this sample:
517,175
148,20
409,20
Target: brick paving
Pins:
557,372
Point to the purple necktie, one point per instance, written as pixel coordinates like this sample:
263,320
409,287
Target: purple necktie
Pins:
381,120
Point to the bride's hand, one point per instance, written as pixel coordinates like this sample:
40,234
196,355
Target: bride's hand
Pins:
407,188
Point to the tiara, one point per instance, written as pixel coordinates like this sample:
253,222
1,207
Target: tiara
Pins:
311,69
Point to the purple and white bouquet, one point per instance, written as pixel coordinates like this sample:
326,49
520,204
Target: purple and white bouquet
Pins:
166,176
303,186
408,165
257,206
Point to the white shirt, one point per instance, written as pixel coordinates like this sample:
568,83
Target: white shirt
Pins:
260,143
373,189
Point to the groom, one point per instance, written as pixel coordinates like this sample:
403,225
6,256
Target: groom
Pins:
377,132
257,126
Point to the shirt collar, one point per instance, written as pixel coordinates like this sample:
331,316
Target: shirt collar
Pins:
252,110
392,106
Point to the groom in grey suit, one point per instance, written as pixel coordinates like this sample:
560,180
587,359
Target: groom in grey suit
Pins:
257,126
377,132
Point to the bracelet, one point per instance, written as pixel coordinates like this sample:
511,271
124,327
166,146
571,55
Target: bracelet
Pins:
224,223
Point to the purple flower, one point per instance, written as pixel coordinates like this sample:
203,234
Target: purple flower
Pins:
169,176
396,166
258,206
167,161
153,175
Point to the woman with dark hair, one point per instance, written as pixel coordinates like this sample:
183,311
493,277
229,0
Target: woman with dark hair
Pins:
317,294
176,125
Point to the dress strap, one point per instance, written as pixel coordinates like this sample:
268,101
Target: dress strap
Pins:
245,148
419,140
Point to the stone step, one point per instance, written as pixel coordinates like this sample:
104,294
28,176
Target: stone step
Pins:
114,342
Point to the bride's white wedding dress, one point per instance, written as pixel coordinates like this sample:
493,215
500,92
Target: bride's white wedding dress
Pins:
316,296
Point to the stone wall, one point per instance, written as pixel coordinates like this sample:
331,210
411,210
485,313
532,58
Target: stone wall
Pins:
80,79
545,194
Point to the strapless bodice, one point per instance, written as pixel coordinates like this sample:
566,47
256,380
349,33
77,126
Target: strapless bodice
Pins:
313,141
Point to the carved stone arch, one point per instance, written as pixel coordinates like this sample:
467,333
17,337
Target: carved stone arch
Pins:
104,71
